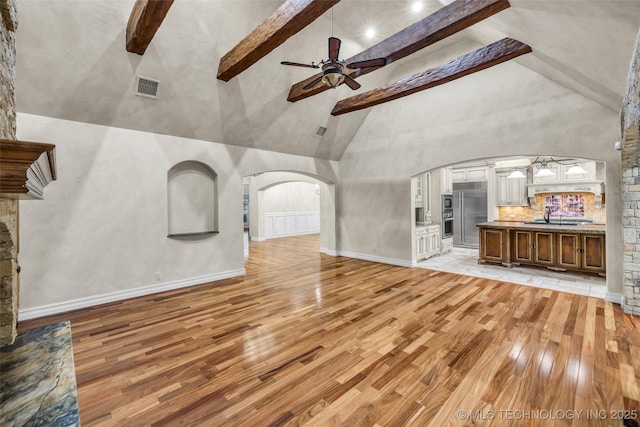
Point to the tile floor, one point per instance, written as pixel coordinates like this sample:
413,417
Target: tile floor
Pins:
465,261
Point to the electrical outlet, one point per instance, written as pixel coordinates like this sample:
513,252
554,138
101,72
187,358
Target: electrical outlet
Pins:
158,276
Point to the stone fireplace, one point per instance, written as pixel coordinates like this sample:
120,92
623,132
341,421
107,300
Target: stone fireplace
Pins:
631,186
9,281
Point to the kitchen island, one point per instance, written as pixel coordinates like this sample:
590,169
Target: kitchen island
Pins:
576,248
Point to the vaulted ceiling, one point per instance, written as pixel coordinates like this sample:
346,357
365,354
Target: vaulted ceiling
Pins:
72,63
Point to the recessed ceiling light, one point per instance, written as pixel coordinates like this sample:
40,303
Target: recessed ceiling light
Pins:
370,33
417,6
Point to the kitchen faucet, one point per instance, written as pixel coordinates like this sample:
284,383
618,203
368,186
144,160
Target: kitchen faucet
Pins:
547,215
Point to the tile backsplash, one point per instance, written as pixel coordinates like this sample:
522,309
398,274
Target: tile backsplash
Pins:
525,213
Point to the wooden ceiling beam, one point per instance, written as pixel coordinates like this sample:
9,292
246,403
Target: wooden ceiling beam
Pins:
472,62
446,21
144,21
291,17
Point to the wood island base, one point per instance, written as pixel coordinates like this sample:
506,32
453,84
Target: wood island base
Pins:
573,249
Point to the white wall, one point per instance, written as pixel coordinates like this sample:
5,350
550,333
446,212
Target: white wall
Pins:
291,197
262,182
291,209
103,224
505,110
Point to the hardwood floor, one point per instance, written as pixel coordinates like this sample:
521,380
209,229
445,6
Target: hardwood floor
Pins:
311,339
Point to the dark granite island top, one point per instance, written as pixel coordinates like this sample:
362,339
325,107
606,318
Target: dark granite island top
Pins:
574,228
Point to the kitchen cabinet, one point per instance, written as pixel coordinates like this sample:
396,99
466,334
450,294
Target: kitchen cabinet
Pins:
446,181
427,241
576,248
544,248
511,191
494,245
446,245
478,173
523,246
422,198
559,174
426,197
533,247
559,182
417,199
583,252
554,177
568,255
590,175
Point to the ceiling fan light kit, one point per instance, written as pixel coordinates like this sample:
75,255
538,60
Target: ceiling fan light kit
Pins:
333,74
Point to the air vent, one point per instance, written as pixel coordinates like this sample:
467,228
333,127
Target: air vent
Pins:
320,132
147,87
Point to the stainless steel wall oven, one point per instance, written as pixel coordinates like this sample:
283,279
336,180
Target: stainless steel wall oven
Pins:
447,216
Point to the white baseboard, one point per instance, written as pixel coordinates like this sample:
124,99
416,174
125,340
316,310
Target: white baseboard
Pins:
301,233
375,258
613,297
62,307
259,239
329,252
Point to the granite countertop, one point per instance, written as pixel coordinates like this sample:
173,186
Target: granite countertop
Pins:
580,228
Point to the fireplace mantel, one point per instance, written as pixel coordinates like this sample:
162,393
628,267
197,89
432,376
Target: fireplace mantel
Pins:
26,168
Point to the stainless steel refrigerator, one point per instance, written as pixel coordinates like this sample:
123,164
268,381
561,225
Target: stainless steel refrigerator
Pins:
469,209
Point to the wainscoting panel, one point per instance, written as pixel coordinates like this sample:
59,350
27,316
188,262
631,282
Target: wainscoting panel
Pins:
284,224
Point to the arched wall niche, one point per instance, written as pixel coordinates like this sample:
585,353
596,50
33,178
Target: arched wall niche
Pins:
192,197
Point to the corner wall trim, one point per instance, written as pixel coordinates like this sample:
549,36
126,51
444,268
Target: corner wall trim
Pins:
375,258
329,252
75,304
613,297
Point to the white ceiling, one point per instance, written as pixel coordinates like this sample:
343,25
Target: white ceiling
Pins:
72,64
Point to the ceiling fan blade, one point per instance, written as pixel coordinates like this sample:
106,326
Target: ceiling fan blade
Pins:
348,80
334,48
312,83
297,64
369,63
356,73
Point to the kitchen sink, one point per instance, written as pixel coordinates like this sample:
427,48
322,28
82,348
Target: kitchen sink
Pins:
569,223
555,223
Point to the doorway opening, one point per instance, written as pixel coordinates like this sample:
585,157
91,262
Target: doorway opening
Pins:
513,192
283,204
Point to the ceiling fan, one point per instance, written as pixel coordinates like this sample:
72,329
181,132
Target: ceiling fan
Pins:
333,69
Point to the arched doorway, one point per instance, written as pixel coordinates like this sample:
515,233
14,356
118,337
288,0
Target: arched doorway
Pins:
284,203
515,193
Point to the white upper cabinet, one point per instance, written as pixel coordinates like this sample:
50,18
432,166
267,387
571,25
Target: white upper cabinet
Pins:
511,191
553,175
422,198
478,173
418,200
446,181
590,175
458,175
